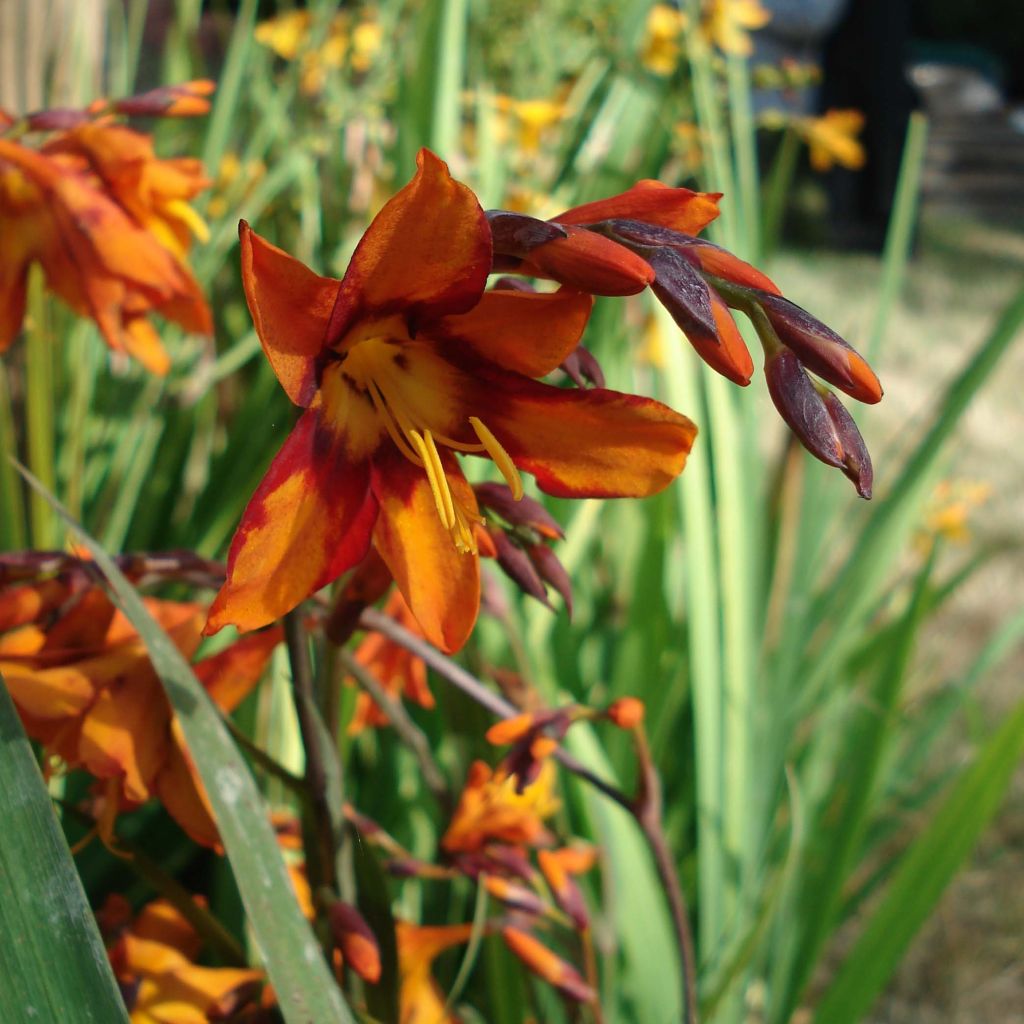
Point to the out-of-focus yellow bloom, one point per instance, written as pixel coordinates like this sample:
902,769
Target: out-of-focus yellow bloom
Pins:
728,23
662,46
832,139
231,174
288,35
949,514
688,144
528,120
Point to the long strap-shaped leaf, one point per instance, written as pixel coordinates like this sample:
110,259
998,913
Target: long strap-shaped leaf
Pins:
925,871
52,962
306,992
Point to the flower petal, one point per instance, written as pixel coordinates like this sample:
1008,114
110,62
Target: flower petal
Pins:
229,675
427,252
594,443
309,520
440,584
529,332
678,208
180,790
291,307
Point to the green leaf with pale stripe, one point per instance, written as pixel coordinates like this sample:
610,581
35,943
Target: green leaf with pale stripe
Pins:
53,966
306,992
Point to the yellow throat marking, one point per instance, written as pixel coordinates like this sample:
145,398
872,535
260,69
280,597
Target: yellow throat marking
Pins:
371,365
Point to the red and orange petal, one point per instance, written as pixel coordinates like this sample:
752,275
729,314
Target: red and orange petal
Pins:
511,729
730,357
654,203
309,520
496,327
427,253
713,259
440,584
588,444
179,788
590,263
291,308
545,964
230,675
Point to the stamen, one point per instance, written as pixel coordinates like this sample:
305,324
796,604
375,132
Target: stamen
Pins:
389,424
436,478
500,456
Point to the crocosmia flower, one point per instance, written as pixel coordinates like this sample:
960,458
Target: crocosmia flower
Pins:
401,366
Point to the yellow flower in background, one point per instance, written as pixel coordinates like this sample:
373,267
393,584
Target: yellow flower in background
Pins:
528,120
832,139
286,35
662,46
687,144
728,24
949,513
367,37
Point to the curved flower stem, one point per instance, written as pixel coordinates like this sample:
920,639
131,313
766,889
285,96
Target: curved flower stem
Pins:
316,772
410,733
645,809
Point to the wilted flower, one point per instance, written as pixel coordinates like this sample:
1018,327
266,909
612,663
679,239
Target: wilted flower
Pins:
154,962
109,223
401,365
86,690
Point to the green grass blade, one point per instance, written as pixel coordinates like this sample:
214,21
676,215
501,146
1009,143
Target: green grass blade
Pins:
305,989
923,874
53,966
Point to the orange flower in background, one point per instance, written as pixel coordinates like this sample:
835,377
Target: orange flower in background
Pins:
490,810
420,998
86,690
545,964
154,962
109,223
401,365
399,671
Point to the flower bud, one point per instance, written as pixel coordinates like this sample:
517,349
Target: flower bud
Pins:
552,572
583,368
590,263
185,100
514,895
822,424
526,511
516,564
357,943
554,970
626,712
821,349
515,234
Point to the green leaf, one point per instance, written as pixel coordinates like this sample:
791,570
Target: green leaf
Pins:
923,874
52,962
306,992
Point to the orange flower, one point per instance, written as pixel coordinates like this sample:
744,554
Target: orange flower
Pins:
109,224
398,671
86,689
399,366
154,964
490,810
421,1000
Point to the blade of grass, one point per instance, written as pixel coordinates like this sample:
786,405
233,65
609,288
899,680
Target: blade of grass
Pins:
13,528
52,962
923,874
305,989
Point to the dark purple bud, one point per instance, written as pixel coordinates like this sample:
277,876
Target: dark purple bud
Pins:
821,349
856,459
800,405
59,120
515,234
512,284
517,566
526,511
552,572
685,294
582,367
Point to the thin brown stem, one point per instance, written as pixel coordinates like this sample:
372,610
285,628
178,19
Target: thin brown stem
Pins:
646,809
406,728
324,864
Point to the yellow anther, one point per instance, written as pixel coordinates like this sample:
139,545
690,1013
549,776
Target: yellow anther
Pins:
435,477
500,456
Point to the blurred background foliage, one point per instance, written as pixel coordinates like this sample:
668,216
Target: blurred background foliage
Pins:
829,738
